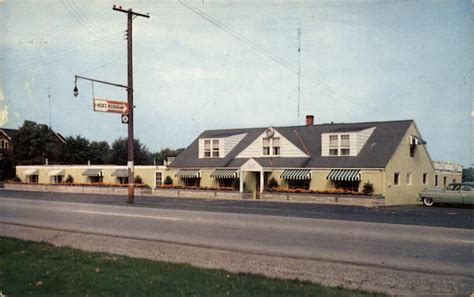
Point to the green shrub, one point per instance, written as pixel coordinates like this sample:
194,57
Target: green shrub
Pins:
272,183
368,188
69,179
17,179
168,180
138,180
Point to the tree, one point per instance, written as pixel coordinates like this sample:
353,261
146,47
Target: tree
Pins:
76,150
161,156
468,174
119,153
99,152
272,183
34,143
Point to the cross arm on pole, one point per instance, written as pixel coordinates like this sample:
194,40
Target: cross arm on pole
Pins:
101,81
130,11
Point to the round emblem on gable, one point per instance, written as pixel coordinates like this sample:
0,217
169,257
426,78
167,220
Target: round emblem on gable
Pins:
269,132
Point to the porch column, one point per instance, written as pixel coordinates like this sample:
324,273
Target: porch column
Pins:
262,182
241,181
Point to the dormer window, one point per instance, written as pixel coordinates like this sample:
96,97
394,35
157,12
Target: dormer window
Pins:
339,145
207,148
215,148
271,146
333,145
345,145
211,148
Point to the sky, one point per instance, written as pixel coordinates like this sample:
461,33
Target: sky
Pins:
231,64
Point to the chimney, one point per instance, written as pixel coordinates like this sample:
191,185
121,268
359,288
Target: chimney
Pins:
310,120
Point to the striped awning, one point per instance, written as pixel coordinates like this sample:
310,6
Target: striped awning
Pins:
31,172
344,175
300,174
120,172
56,172
92,172
225,173
187,173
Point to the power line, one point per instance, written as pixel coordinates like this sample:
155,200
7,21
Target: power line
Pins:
274,58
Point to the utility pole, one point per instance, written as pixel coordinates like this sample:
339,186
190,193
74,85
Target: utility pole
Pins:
299,70
130,144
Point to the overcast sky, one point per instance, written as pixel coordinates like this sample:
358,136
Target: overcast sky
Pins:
222,64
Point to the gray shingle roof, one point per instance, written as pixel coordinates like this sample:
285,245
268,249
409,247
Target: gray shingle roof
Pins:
376,153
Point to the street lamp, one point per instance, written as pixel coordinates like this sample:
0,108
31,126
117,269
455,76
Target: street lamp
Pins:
75,91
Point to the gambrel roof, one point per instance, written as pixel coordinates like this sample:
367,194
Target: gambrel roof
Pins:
376,152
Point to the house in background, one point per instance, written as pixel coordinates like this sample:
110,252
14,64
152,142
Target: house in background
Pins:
391,155
447,173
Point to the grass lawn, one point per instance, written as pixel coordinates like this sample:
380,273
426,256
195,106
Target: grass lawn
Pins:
39,269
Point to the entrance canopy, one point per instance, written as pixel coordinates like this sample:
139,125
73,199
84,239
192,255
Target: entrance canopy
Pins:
187,173
296,174
225,173
344,175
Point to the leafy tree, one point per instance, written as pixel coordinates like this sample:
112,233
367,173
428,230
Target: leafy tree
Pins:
34,143
468,174
119,153
161,156
69,179
138,180
76,150
99,152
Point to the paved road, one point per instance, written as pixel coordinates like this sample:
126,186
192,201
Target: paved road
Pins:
433,250
444,216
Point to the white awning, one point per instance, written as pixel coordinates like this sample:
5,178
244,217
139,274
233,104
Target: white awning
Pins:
56,172
298,174
31,172
344,175
120,173
187,173
92,172
225,173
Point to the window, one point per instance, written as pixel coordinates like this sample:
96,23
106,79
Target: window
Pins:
396,179
409,178
215,148
299,184
4,144
454,180
191,182
333,145
158,179
58,179
345,145
228,182
266,146
276,146
122,180
425,178
347,185
445,181
96,179
207,148
436,180
466,188
33,179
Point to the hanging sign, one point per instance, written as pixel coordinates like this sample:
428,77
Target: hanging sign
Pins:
103,105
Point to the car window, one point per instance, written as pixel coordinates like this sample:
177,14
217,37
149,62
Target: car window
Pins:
453,187
466,188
